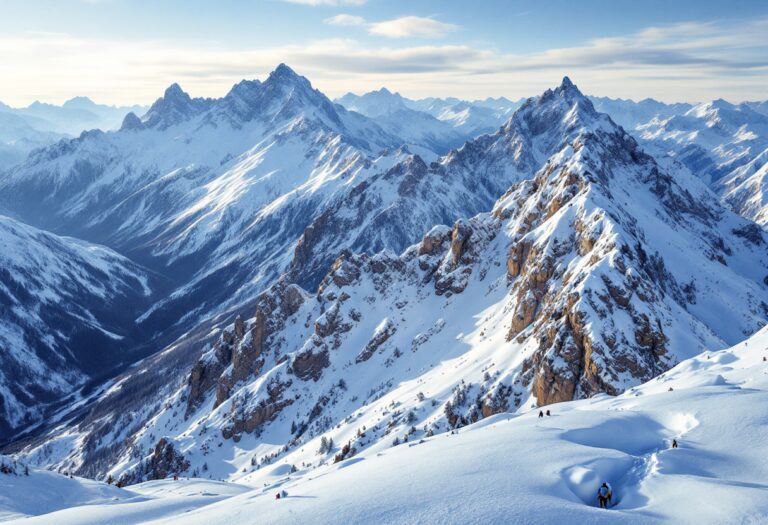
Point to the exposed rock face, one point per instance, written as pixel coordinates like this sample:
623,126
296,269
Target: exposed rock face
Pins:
237,355
434,240
467,242
249,418
166,461
310,365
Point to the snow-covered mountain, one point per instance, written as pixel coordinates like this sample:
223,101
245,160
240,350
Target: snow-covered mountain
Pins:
724,144
211,192
387,210
630,114
594,272
760,107
18,137
472,118
465,119
420,130
74,116
67,311
38,125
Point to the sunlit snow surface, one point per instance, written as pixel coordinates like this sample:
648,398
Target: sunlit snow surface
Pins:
504,469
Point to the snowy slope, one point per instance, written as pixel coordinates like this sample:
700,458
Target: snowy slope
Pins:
599,273
745,189
27,492
67,312
522,469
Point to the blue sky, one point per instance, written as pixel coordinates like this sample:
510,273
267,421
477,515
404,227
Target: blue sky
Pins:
125,51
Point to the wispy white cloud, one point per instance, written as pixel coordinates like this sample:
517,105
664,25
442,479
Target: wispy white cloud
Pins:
345,20
411,26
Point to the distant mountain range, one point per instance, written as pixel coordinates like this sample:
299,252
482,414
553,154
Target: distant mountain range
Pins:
41,124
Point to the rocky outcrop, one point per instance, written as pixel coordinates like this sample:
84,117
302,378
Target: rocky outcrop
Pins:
434,241
467,241
309,364
249,418
239,353
166,461
383,332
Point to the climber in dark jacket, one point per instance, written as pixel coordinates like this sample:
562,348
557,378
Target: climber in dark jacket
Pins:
541,413
604,495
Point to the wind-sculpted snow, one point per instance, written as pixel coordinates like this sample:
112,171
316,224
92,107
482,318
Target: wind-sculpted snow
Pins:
66,314
508,468
597,272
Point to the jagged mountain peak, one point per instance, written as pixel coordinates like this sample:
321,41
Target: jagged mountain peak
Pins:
131,122
173,107
174,92
566,83
570,92
556,106
721,103
284,75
